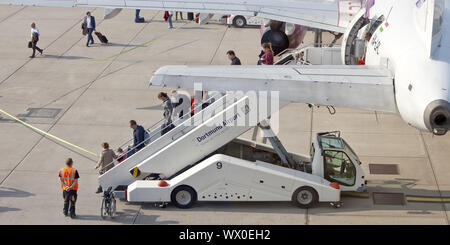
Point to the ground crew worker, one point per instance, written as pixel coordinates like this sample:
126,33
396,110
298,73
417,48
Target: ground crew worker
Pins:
69,184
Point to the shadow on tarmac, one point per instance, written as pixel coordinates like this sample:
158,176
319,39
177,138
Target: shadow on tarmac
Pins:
13,192
350,204
125,45
6,209
155,107
52,56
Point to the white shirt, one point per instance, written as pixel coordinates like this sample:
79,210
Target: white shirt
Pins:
33,30
88,22
170,12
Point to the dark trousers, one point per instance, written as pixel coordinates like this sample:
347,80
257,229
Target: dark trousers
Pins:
34,47
99,186
90,38
166,127
70,197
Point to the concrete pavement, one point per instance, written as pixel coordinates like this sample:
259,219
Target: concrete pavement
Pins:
97,90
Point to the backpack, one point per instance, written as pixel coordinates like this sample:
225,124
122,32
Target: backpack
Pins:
146,137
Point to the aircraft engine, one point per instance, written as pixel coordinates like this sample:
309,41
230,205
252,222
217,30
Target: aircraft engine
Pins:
282,35
437,117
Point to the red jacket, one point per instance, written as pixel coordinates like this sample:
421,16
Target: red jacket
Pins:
166,15
267,58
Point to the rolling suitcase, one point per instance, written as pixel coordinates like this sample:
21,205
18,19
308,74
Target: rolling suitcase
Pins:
101,37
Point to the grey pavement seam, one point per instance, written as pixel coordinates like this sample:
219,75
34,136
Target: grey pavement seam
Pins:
307,217
101,75
65,111
26,62
137,215
434,175
220,44
11,15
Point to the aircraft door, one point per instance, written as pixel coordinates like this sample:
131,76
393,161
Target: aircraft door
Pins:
339,168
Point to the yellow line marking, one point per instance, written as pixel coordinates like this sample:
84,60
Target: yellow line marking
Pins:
427,199
47,134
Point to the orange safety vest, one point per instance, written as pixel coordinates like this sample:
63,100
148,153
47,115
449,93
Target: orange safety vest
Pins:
68,177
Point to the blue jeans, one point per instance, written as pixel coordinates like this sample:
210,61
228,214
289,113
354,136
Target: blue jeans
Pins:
170,21
99,186
90,38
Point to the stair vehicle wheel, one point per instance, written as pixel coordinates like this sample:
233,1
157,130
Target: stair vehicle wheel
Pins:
104,209
239,21
183,196
305,197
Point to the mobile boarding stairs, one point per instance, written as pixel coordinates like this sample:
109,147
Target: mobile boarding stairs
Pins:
201,159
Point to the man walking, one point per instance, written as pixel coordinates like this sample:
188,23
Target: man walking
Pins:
232,56
34,39
170,19
89,22
69,184
138,136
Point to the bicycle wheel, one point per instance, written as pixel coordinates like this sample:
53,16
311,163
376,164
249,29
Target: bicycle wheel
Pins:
112,208
104,210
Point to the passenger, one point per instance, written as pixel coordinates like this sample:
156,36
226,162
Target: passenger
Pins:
168,109
362,60
367,36
169,19
34,39
89,22
179,99
192,106
232,56
137,18
176,15
69,183
260,55
166,15
267,57
121,156
138,137
106,162
207,98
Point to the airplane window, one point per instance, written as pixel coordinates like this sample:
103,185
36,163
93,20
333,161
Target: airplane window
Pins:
339,168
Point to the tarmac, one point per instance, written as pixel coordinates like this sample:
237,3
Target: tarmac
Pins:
93,93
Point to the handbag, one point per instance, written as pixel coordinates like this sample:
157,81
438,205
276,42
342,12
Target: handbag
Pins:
30,45
84,29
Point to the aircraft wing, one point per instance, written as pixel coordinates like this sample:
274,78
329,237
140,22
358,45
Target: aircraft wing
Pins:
333,15
358,87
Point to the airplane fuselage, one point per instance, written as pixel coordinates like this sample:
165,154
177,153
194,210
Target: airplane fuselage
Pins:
413,39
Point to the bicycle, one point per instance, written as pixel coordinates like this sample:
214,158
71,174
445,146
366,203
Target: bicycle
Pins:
108,204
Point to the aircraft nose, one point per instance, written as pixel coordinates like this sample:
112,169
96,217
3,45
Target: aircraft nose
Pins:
437,117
